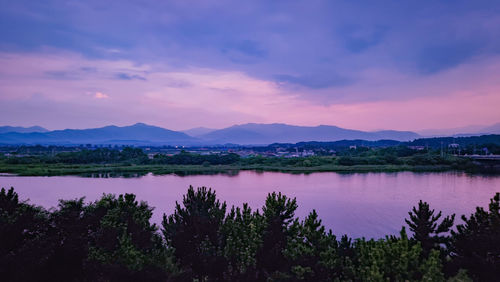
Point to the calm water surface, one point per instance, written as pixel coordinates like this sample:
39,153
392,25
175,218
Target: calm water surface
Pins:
360,204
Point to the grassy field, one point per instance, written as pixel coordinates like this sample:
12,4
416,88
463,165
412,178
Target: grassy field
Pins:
137,170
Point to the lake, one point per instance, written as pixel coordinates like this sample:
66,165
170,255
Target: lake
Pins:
357,204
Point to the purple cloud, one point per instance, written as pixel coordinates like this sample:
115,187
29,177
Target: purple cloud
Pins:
305,54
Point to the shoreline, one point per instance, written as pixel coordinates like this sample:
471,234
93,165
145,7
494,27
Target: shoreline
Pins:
118,169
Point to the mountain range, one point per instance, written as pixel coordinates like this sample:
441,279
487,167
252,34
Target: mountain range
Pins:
20,129
260,134
244,134
137,134
470,130
198,131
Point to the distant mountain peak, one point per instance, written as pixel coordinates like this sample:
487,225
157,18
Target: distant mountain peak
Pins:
469,130
198,131
139,133
261,134
244,134
20,129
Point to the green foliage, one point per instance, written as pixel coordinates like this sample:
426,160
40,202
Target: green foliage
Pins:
22,231
461,276
85,156
492,142
346,160
242,231
431,268
426,230
394,259
313,251
186,158
123,241
476,243
194,233
280,227
112,239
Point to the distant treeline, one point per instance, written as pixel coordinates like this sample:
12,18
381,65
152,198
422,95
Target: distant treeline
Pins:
422,152
84,156
334,145
371,158
396,156
492,142
112,239
186,158
126,155
471,141
470,145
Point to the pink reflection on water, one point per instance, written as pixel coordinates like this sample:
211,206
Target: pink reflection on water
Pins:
368,204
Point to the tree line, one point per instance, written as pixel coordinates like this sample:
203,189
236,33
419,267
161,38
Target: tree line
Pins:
394,155
113,239
468,145
127,155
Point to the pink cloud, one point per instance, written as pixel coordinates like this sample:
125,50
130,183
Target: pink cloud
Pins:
99,95
183,98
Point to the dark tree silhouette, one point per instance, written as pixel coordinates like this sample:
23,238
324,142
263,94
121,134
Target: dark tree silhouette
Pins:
476,243
314,251
23,229
426,229
280,227
193,231
242,233
112,239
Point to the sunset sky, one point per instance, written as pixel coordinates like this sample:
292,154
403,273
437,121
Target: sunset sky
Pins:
406,65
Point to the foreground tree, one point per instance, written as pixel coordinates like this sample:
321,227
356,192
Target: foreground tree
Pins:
280,227
314,251
395,259
242,232
23,230
426,228
123,244
69,240
194,234
476,243
112,239
108,240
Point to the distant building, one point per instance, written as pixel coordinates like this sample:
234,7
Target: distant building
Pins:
307,153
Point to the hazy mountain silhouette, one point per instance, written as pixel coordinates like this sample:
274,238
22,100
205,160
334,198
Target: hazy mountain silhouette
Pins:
492,129
246,134
139,133
253,133
20,129
470,130
198,131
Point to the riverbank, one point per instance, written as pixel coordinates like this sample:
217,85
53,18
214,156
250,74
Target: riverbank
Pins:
132,170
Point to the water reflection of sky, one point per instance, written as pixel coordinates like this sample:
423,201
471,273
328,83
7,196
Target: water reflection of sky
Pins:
361,204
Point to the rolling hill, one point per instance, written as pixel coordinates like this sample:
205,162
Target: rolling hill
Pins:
198,131
246,134
20,129
139,133
257,134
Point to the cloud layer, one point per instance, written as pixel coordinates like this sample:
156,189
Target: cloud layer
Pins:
179,64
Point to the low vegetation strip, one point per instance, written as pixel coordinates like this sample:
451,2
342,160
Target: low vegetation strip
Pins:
135,161
123,170
112,239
